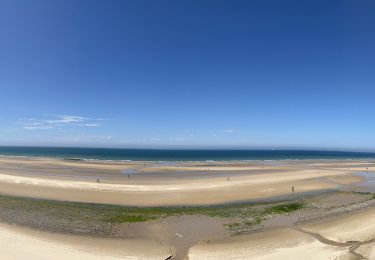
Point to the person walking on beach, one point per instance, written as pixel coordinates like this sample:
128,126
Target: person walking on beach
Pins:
292,188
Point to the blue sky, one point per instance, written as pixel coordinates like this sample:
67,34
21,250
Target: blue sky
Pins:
256,74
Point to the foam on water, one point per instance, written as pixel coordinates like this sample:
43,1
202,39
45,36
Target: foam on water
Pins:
169,156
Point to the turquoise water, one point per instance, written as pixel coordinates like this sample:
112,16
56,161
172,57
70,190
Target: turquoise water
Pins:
177,155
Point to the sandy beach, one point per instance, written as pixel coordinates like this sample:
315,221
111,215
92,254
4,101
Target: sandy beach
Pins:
343,237
24,243
277,244
155,184
321,219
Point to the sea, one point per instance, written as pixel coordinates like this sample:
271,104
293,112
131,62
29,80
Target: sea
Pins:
70,153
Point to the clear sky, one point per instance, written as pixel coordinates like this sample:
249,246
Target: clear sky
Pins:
134,73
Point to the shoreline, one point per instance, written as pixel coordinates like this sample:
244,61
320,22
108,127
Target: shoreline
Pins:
191,209
84,159
143,184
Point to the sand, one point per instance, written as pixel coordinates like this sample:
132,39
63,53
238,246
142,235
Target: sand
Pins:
188,183
151,184
367,251
278,244
282,243
349,236
359,226
22,243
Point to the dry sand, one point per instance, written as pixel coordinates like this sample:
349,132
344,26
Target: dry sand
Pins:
351,236
359,226
279,244
334,241
21,243
151,184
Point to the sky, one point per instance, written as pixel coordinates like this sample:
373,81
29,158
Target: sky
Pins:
159,74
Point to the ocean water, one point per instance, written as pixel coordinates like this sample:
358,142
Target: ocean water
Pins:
177,155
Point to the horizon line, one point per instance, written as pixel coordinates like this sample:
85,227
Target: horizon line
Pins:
208,148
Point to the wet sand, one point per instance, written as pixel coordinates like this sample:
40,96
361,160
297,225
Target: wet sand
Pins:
278,244
349,236
343,237
156,184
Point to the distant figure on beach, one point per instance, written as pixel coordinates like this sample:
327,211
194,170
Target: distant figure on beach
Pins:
292,188
228,178
97,180
128,176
